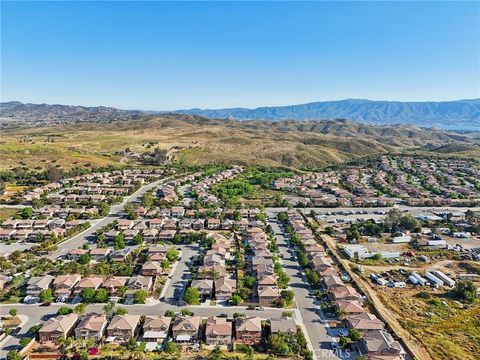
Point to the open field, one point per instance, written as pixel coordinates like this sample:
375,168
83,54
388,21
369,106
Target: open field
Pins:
6,213
447,329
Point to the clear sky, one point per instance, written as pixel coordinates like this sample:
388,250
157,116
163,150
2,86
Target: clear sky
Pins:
171,55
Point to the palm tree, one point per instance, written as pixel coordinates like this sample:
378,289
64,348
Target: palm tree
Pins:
109,308
213,274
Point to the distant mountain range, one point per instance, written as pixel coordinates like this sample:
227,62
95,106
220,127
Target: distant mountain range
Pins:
450,115
453,114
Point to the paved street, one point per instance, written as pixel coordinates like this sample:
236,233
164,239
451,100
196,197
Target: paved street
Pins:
317,333
180,275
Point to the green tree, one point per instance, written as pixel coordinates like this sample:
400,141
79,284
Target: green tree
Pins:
84,259
64,310
25,341
109,308
249,281
13,312
169,313
132,344
121,311
466,291
236,300
278,346
88,295
101,296
287,296
80,309
45,295
171,348
140,296
14,355
172,254
138,239
191,296
282,216
355,335
26,213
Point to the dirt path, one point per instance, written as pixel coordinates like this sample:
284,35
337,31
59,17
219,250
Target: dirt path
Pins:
415,346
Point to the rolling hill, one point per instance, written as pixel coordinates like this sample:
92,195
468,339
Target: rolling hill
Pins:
199,140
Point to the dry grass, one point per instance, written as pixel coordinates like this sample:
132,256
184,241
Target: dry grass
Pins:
448,332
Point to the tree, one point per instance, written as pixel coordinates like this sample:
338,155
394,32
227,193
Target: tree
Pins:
282,216
344,341
13,312
392,219
45,295
84,259
236,300
119,241
191,296
312,277
101,296
172,254
278,346
169,313
14,355
287,296
147,200
88,295
26,213
140,296
249,281
80,309
171,348
64,310
408,222
25,341
132,344
186,312
466,291
355,335
138,239
216,353
121,311
109,308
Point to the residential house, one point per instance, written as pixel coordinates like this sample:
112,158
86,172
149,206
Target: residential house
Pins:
56,327
114,283
204,287
98,254
151,268
225,288
349,306
248,330
283,325
37,284
185,329
218,331
64,284
156,328
364,322
268,295
380,344
124,327
92,282
344,292
91,326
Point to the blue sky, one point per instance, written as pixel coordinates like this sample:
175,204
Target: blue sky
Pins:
170,55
